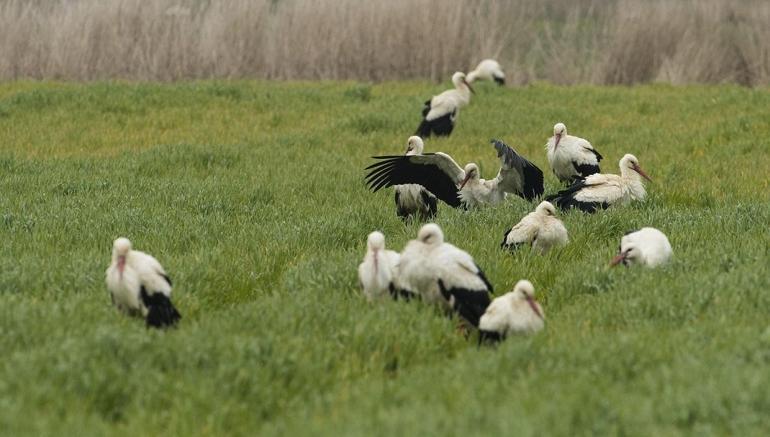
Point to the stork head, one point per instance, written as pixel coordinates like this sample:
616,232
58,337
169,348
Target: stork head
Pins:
546,208
628,254
120,249
459,79
471,173
524,288
559,131
414,145
526,291
629,161
431,234
376,241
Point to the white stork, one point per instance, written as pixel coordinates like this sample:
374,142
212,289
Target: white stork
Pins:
441,111
412,199
379,270
602,190
571,157
437,271
541,229
442,177
647,247
515,312
140,286
488,69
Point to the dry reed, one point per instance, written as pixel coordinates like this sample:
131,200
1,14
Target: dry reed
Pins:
580,41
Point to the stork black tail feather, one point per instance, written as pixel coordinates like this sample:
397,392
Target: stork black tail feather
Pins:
505,237
490,337
424,129
400,293
511,247
161,312
426,108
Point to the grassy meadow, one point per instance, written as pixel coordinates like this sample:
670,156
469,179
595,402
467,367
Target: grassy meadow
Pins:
252,196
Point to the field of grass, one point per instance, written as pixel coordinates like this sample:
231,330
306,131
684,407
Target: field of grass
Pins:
252,196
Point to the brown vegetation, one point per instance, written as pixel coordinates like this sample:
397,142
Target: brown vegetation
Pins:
579,41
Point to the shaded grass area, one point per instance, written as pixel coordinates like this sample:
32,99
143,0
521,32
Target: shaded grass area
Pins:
252,196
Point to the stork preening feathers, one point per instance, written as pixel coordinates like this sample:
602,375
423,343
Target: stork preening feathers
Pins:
440,112
648,247
488,69
437,270
139,286
599,191
441,176
379,270
570,157
541,229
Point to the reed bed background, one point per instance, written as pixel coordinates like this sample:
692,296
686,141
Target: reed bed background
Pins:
565,42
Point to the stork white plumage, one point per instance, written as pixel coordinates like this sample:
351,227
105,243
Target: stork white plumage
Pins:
571,157
488,69
379,270
599,191
437,271
440,112
648,247
441,176
413,200
515,312
139,285
541,229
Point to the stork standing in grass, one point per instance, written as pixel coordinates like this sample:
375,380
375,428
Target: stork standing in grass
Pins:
541,229
413,200
437,270
488,69
599,191
515,312
379,270
440,112
570,157
441,176
140,286
648,247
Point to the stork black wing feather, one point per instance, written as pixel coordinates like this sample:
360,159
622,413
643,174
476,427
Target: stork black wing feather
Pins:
399,170
599,156
574,188
470,304
565,199
586,170
531,175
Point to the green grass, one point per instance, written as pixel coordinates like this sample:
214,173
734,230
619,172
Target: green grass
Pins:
251,194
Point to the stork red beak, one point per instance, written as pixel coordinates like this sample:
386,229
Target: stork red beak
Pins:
469,86
556,144
465,181
532,305
121,264
641,172
617,260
